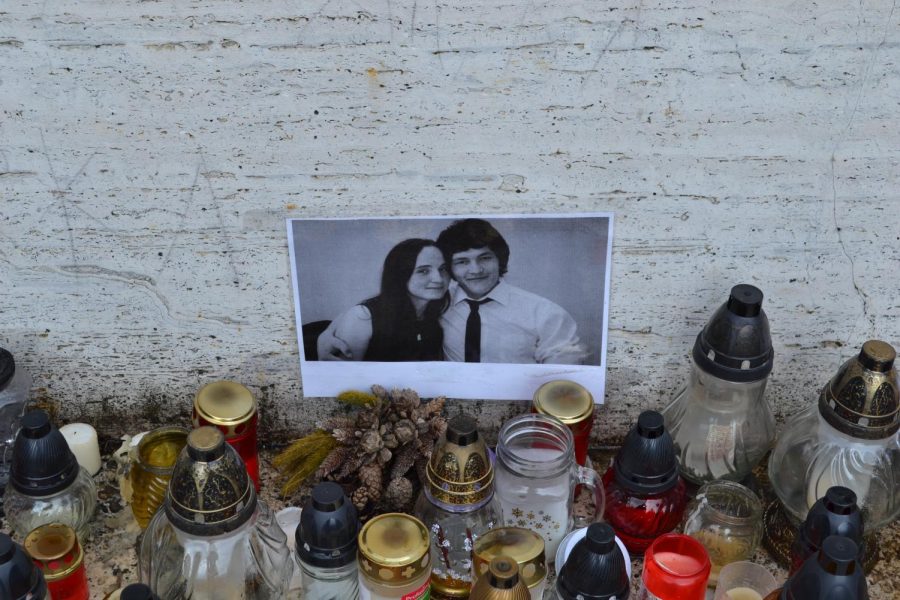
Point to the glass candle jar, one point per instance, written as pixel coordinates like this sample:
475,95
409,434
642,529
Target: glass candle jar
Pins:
55,549
726,518
536,475
645,497
848,438
394,559
721,423
15,384
151,468
326,539
676,567
573,405
457,504
46,483
231,408
519,544
213,539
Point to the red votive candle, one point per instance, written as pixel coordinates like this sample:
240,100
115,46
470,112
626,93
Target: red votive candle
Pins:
572,404
676,567
54,548
645,496
231,408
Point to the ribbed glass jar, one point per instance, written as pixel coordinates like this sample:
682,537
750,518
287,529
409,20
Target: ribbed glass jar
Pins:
251,562
73,506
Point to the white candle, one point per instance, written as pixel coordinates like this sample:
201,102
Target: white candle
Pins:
82,439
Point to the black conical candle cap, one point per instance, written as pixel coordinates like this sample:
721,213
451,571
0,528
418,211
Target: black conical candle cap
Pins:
138,591
836,513
42,463
646,463
595,569
326,534
20,579
834,573
7,367
735,344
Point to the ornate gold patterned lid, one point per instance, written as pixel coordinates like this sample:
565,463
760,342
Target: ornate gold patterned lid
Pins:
521,545
225,403
863,398
460,471
55,549
568,401
393,549
210,492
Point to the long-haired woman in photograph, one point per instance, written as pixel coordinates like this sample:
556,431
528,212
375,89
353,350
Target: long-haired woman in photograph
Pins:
401,322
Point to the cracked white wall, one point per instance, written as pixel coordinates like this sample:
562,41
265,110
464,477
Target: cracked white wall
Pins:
149,152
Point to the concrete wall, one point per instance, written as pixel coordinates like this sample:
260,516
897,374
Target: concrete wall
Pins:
150,151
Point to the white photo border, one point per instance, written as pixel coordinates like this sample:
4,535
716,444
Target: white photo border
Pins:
475,381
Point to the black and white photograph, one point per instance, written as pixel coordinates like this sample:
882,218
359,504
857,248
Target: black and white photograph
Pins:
485,307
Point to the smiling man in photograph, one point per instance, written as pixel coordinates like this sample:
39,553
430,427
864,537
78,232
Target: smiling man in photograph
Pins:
491,321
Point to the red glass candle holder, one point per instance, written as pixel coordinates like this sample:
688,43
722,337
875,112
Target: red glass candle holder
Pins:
676,567
638,519
54,548
232,409
572,404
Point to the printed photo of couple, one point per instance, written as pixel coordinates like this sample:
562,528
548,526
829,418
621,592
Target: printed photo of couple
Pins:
458,291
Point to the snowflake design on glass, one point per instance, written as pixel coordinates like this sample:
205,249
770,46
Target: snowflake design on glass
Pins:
530,516
521,523
538,525
517,512
546,518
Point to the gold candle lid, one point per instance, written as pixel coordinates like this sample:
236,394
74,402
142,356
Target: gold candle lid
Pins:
55,549
225,403
393,549
460,470
500,582
863,398
568,401
521,545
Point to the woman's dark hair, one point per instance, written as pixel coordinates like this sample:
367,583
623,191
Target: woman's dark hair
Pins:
393,305
473,233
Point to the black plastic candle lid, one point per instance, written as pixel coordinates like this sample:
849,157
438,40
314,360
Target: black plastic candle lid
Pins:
646,463
326,534
832,574
836,513
595,569
137,591
735,344
462,430
7,367
20,579
42,463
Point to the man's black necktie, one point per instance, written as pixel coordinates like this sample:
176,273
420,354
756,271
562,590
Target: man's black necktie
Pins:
473,331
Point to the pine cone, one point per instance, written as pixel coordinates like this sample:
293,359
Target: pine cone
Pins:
367,419
333,461
403,460
384,457
371,442
360,498
371,477
380,392
399,494
405,431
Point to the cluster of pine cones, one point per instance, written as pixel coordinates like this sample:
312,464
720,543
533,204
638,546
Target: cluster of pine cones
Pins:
383,448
